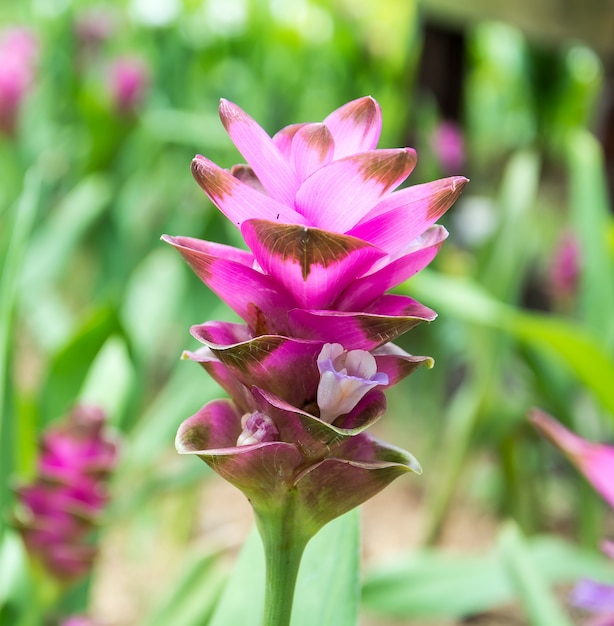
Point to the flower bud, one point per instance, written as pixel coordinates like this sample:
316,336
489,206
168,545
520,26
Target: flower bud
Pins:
257,428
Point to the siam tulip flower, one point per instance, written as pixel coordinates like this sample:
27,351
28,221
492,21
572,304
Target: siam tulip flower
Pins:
128,79
18,51
328,237
60,508
596,462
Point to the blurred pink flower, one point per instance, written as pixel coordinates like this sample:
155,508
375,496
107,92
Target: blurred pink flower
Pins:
95,25
596,462
127,82
62,505
565,268
18,52
78,620
449,146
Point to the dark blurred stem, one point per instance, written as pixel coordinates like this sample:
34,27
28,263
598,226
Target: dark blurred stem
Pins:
284,543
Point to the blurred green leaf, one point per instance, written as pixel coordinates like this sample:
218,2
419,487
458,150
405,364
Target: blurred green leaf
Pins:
24,212
62,230
327,590
528,582
591,217
575,346
70,365
433,584
514,239
191,599
109,380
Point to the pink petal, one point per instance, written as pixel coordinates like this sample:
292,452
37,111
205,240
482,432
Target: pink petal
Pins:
223,376
312,147
239,201
595,461
397,363
340,194
271,362
359,469
260,301
283,139
313,265
246,175
356,126
366,289
261,470
268,163
387,318
406,214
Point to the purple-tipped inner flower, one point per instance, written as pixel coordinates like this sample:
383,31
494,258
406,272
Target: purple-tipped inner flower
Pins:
345,377
257,428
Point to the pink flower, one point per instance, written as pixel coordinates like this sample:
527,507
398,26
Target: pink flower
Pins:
60,508
128,80
596,462
565,268
449,146
327,232
18,51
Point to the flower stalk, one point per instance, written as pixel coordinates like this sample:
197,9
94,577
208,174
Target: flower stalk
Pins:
284,543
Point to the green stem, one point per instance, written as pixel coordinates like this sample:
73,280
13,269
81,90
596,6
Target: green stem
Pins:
284,543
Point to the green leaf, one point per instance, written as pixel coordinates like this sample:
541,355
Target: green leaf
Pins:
327,591
69,367
109,379
575,346
529,583
591,218
432,584
54,242
192,598
10,276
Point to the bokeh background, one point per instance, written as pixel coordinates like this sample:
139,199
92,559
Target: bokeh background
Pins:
102,107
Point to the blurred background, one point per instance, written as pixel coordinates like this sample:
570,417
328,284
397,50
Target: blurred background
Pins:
102,107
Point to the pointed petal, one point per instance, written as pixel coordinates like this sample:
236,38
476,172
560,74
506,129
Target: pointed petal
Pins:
312,147
407,213
312,264
246,175
215,332
271,362
360,468
387,318
237,200
356,126
261,470
594,460
366,289
223,376
283,139
315,436
260,301
397,363
268,163
338,195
